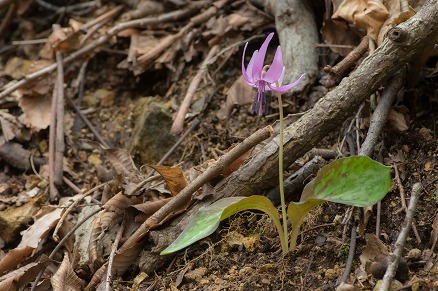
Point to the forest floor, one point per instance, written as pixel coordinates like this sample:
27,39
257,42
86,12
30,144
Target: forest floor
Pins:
132,107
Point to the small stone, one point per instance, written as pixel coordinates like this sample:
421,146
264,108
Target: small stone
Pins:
395,285
94,159
413,255
266,281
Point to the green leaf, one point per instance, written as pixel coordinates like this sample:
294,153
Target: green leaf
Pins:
207,219
357,181
296,213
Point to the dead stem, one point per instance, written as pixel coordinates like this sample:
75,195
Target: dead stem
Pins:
401,240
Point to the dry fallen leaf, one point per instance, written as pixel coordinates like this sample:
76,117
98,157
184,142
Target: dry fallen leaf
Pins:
369,15
174,178
398,120
65,277
238,94
30,240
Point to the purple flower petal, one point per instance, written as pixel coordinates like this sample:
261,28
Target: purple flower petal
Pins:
276,68
258,63
285,88
247,74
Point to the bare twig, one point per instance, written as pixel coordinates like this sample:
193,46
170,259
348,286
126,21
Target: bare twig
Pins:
66,9
178,123
351,252
185,195
111,257
7,19
380,115
401,240
87,122
403,200
52,145
336,72
60,145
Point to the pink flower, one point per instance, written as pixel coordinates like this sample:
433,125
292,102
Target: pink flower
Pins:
272,79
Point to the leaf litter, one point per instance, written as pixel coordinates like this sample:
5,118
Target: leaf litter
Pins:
145,61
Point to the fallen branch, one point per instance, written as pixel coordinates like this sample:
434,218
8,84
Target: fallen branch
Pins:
178,123
401,240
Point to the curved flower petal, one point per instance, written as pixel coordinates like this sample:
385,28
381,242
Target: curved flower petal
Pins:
247,74
276,68
260,58
285,88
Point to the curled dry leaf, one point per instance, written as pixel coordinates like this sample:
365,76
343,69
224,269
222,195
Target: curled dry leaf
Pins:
369,15
238,94
399,120
65,277
30,240
174,178
120,160
148,208
18,279
398,13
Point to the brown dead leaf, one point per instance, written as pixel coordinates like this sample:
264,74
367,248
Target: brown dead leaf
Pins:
398,120
236,164
238,94
174,178
65,277
148,208
434,234
18,279
397,14
369,15
374,251
30,240
120,160
17,67
334,35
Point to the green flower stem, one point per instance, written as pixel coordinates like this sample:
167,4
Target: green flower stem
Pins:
280,171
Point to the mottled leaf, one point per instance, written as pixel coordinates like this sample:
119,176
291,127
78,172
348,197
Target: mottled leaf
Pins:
356,181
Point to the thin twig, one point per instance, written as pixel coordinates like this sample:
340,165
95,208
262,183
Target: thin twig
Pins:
70,207
380,115
178,123
336,72
96,134
403,200
401,240
59,136
52,137
351,252
111,257
185,195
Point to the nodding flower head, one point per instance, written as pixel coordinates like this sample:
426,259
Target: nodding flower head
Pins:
265,78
